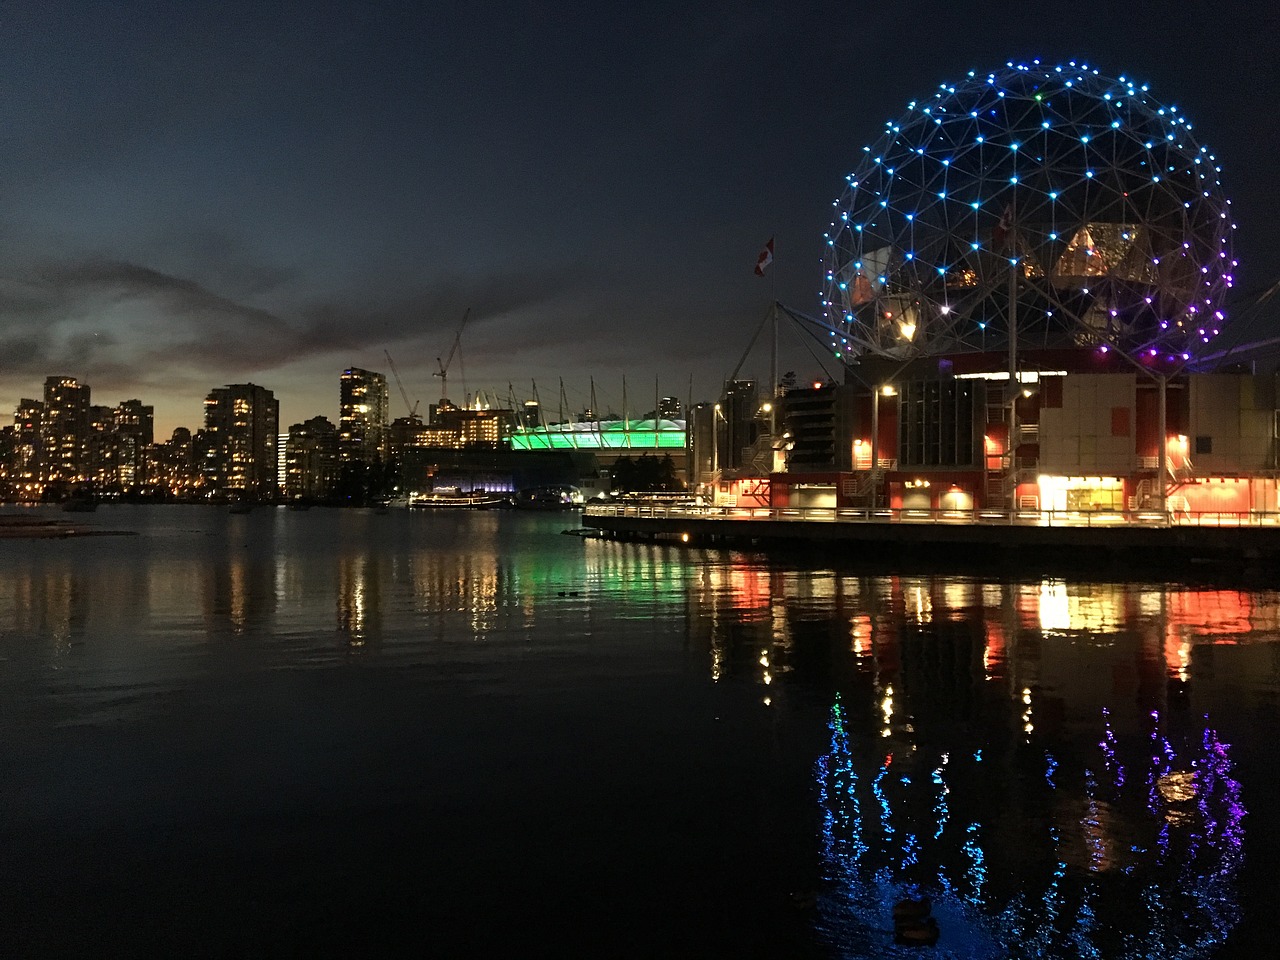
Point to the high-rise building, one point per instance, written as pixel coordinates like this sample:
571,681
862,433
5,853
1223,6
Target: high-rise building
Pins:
64,430
703,458
241,421
454,427
738,411
362,416
531,415
135,418
24,455
669,408
311,459
171,466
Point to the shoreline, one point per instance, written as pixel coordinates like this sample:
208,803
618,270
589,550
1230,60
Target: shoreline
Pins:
41,528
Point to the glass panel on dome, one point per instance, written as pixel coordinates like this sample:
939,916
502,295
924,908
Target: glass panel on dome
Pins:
1137,263
860,281
1097,250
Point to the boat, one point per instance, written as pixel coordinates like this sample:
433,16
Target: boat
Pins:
475,500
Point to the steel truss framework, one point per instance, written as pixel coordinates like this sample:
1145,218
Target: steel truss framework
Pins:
1071,202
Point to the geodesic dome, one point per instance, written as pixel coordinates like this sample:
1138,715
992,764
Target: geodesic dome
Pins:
1071,203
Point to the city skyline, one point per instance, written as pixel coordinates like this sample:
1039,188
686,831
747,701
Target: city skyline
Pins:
211,195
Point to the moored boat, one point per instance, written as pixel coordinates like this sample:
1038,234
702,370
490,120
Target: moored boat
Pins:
476,500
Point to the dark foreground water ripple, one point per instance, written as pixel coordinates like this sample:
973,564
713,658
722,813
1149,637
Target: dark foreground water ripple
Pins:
344,733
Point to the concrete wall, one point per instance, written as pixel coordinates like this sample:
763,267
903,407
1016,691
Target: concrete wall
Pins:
1080,437
1236,412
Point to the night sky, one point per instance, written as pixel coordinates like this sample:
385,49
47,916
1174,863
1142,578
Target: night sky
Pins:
199,193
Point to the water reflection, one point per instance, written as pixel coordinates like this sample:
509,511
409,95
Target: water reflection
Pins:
1069,864
1062,766
360,600
1022,753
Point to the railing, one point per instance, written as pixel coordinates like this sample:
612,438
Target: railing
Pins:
985,517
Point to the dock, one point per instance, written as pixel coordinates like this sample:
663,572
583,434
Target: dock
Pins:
1034,540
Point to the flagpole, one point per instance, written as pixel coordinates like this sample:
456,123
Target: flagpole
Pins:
773,357
763,262
1014,386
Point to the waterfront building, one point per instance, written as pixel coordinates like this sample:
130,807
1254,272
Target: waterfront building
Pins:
362,416
135,418
21,463
118,437
405,432
239,443
64,430
282,461
311,460
171,468
498,470
457,427
1062,352
1088,438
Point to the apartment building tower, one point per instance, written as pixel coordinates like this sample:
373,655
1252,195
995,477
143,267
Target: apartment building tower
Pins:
241,422
362,416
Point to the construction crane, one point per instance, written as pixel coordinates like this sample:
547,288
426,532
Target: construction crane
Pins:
412,407
443,372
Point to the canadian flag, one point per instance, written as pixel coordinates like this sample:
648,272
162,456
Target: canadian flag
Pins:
765,258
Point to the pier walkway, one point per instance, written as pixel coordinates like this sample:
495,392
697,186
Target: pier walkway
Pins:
1040,538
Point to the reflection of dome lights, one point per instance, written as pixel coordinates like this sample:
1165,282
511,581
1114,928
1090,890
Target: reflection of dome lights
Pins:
1038,174
1177,786
1112,868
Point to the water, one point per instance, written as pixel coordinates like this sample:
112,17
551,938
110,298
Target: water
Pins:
338,733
